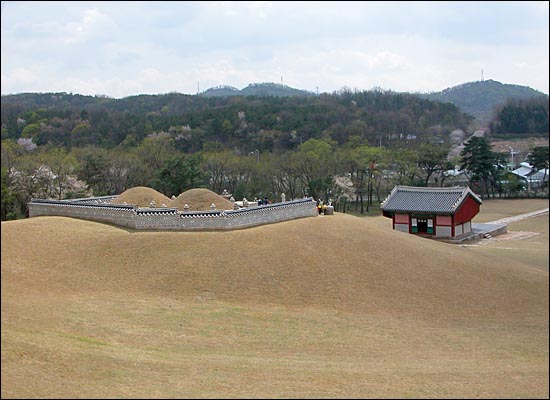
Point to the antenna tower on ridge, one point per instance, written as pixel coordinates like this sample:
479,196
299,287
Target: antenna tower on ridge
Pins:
481,74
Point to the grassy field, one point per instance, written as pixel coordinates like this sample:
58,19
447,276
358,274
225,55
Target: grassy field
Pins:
331,306
494,209
526,241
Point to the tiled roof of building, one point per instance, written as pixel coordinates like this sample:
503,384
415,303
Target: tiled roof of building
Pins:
528,172
427,199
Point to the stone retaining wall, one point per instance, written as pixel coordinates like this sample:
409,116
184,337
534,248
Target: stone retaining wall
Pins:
99,209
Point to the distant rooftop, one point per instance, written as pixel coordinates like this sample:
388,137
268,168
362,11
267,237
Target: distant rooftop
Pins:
427,199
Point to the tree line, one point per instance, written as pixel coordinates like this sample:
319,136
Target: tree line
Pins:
245,123
348,147
522,117
352,173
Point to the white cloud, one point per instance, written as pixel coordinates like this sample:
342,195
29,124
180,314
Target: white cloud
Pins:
12,81
114,87
156,47
386,60
93,24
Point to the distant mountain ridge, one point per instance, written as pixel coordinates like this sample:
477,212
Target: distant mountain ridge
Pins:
481,97
257,89
478,99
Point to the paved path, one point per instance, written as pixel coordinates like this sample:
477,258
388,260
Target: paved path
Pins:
494,228
519,217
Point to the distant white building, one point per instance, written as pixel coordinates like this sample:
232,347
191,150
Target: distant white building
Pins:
532,177
456,177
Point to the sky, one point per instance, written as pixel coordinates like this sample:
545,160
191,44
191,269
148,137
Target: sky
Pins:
120,49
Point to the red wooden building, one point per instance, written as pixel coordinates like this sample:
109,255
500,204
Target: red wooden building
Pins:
437,212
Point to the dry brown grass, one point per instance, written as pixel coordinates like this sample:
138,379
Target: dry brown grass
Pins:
331,306
527,240
200,200
493,209
521,145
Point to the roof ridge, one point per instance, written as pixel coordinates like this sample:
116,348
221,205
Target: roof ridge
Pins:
432,189
424,199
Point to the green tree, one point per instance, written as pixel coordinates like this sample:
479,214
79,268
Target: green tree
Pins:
62,164
179,173
479,161
285,176
31,131
123,171
432,159
153,151
217,167
316,162
512,184
31,179
404,164
81,134
363,163
9,201
93,163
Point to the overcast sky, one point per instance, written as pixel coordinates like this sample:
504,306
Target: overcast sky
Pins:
121,49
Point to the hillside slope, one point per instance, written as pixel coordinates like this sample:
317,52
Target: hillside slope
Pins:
339,261
323,307
257,89
480,98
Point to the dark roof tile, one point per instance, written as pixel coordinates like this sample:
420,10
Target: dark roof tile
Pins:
426,199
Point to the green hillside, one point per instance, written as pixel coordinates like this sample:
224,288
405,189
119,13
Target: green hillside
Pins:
480,98
221,91
257,89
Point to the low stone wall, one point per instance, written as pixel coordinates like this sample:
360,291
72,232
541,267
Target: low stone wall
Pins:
122,215
100,209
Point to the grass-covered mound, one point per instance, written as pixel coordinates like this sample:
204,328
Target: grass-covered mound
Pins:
142,196
324,307
200,200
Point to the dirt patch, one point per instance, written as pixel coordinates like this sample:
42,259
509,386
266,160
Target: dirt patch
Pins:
509,236
521,147
516,236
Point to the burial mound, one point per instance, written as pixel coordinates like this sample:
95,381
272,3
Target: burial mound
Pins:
200,200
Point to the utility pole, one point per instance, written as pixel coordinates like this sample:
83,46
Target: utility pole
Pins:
512,152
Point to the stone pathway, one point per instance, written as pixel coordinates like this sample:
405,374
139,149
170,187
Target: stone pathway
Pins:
488,230
519,217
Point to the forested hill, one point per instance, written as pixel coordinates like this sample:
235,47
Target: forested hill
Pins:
480,98
247,123
257,89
